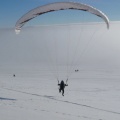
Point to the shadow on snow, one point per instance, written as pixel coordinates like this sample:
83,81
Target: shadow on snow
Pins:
1,98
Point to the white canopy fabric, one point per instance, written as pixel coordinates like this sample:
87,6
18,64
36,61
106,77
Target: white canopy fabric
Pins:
58,6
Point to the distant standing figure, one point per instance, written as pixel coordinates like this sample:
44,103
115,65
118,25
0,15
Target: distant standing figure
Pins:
13,75
62,86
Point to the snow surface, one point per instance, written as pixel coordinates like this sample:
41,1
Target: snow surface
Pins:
93,93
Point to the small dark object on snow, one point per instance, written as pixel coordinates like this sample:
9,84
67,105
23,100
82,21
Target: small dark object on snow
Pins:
13,75
76,70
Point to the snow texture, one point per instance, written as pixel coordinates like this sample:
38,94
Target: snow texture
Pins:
93,93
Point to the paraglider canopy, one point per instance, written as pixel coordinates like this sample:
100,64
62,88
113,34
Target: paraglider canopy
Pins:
55,7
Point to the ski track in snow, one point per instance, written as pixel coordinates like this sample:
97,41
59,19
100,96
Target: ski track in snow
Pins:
52,98
44,110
